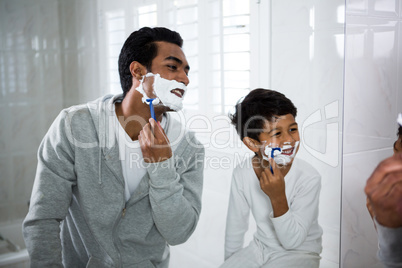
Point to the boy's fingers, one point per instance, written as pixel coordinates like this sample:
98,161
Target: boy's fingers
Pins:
274,167
263,176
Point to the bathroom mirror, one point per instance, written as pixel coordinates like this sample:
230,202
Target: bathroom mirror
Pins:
55,54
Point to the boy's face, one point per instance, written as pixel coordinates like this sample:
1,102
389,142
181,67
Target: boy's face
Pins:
283,131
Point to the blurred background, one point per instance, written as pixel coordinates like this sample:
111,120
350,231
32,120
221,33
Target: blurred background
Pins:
339,62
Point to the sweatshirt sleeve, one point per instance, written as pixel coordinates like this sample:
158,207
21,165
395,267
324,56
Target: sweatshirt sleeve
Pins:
175,194
292,227
237,218
51,196
389,246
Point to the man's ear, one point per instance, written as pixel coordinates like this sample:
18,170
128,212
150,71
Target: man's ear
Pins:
137,70
252,144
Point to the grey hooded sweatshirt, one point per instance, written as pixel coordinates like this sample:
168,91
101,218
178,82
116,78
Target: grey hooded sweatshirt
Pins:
78,216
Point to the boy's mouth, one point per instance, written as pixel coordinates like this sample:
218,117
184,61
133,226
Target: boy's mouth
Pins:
178,92
288,151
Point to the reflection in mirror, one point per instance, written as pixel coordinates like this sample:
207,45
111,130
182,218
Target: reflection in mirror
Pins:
55,54
307,65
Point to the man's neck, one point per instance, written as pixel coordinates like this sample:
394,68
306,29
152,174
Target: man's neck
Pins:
133,114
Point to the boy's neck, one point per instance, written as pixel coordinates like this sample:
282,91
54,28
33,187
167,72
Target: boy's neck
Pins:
259,165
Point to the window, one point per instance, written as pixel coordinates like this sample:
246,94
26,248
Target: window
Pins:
115,34
147,16
218,37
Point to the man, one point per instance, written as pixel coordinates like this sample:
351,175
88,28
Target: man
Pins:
114,187
384,194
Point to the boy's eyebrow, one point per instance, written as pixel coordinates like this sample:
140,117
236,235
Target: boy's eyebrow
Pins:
179,61
280,127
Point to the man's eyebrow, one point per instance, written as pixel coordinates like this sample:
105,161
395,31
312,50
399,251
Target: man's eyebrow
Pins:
178,61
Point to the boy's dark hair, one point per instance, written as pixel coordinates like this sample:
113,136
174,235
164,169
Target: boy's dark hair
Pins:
258,107
399,131
140,46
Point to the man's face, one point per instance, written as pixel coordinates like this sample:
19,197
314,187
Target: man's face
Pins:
398,145
171,64
283,131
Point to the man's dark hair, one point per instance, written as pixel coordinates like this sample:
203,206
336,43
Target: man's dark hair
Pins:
140,46
258,107
399,131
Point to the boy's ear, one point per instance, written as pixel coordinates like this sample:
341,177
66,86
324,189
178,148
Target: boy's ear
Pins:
137,70
252,144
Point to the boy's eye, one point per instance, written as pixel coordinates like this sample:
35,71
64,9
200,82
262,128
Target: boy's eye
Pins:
293,129
276,134
173,67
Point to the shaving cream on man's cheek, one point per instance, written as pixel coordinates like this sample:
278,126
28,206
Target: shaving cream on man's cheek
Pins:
162,90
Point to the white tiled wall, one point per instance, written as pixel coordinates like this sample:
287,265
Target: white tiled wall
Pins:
373,98
31,92
48,60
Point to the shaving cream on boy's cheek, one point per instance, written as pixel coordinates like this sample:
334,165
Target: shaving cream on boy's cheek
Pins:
162,90
279,157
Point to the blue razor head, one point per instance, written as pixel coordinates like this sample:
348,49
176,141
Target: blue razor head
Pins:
275,149
151,108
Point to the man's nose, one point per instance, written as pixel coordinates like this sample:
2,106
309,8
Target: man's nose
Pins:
183,78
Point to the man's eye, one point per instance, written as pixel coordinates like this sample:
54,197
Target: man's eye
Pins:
173,67
293,129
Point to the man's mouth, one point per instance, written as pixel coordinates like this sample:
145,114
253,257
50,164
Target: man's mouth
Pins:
178,92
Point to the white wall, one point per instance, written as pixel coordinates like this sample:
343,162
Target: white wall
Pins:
373,98
31,95
48,60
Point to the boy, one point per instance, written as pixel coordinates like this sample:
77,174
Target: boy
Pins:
282,192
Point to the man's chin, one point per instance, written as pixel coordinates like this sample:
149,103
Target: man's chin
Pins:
164,109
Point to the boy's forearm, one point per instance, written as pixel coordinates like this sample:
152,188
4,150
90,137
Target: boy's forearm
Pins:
279,206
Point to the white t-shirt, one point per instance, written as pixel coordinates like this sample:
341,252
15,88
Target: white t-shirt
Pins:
297,229
132,162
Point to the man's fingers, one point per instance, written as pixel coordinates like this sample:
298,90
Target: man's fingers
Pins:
147,135
387,188
387,166
141,140
158,131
